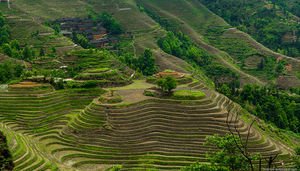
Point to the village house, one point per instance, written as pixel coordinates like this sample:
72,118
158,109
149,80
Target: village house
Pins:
84,27
97,35
83,22
100,43
102,29
66,33
94,31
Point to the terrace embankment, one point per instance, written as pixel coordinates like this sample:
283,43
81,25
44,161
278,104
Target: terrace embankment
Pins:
71,129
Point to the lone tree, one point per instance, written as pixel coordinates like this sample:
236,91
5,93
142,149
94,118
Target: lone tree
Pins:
242,146
167,84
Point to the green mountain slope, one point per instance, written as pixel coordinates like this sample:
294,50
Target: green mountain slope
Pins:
68,130
72,129
269,22
231,46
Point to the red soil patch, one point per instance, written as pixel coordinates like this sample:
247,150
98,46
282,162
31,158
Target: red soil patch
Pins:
289,67
28,84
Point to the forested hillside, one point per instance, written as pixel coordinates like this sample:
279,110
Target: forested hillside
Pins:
292,6
270,22
149,85
6,162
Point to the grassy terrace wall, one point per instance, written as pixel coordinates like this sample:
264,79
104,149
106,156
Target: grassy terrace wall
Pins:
28,114
60,130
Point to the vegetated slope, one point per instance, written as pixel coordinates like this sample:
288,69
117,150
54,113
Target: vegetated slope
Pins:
29,111
102,136
4,58
269,22
6,157
293,6
143,29
194,20
204,26
45,131
99,66
145,32
29,30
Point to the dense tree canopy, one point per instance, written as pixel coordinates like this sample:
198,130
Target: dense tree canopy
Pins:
108,21
111,23
146,63
10,71
13,48
6,162
4,30
180,45
268,104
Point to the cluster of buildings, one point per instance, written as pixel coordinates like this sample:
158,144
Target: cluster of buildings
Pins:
93,30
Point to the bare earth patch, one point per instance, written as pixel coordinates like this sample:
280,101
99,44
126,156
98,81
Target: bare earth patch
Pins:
28,84
286,82
133,95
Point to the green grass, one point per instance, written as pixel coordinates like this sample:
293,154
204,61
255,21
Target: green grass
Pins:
98,70
188,95
137,84
168,71
297,74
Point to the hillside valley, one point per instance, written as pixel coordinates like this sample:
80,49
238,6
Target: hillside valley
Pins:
149,85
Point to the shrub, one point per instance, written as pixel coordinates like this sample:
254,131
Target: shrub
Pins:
150,79
203,167
111,97
86,84
89,84
297,151
99,76
148,93
59,85
98,70
168,71
188,95
114,168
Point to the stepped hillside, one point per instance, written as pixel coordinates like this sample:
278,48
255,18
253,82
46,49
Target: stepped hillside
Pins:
228,44
48,129
232,48
73,129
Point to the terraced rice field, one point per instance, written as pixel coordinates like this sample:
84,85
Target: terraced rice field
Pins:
70,129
